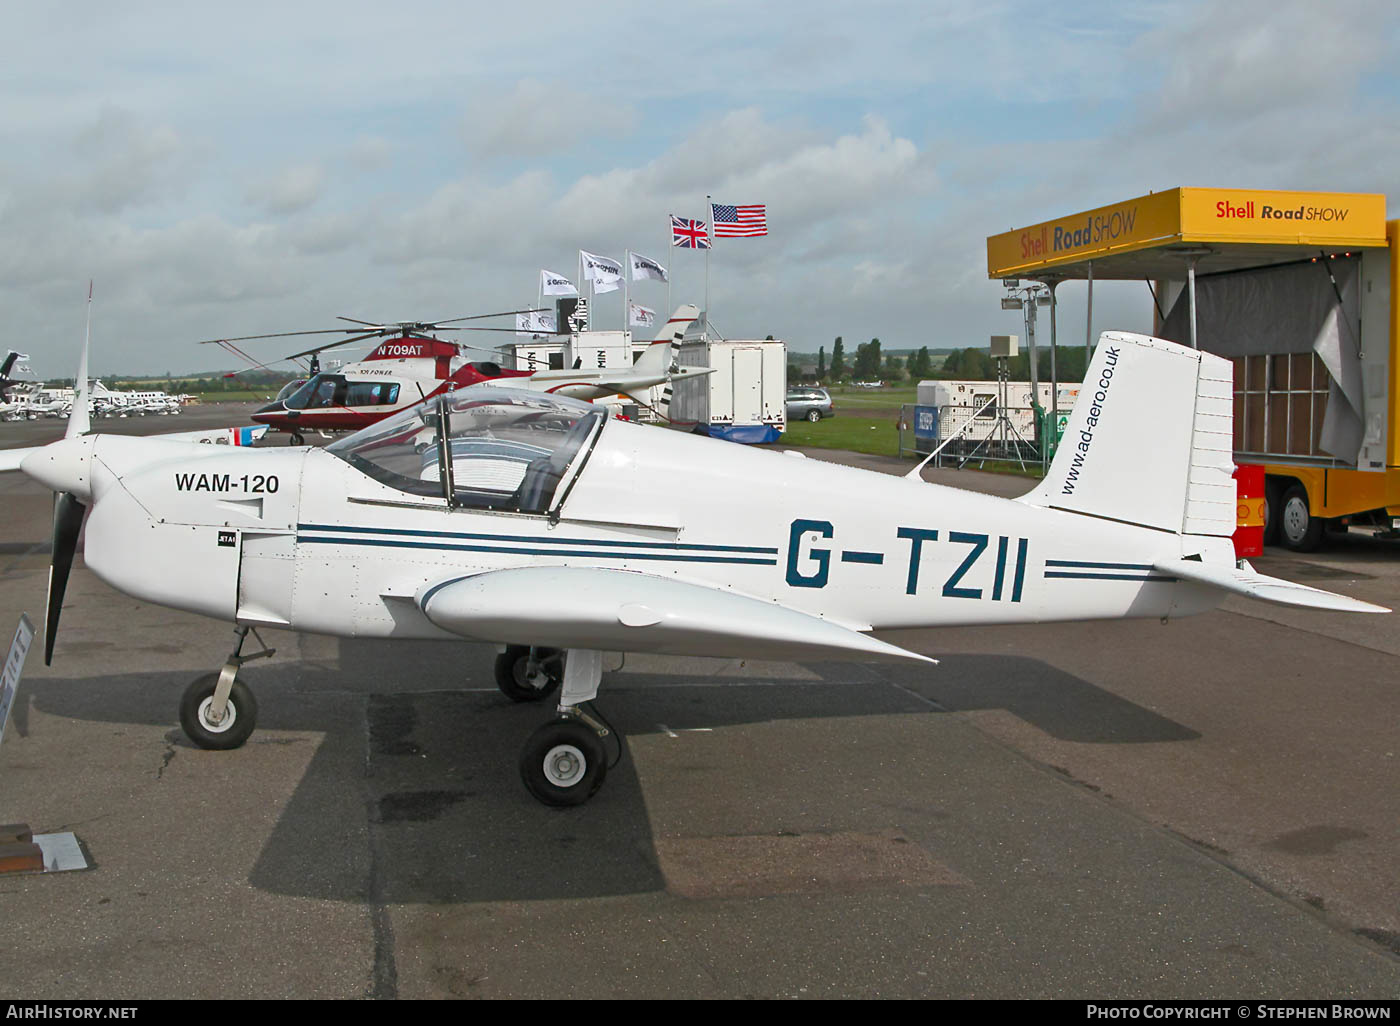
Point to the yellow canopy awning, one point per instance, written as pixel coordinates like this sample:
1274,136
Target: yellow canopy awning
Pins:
1154,236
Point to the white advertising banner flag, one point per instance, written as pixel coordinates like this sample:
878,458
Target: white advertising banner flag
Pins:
640,316
604,272
534,322
646,267
552,284
14,664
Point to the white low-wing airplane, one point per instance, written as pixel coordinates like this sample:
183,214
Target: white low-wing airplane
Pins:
543,526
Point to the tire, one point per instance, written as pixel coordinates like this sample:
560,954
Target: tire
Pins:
239,719
296,439
563,763
814,415
1273,504
1298,529
515,684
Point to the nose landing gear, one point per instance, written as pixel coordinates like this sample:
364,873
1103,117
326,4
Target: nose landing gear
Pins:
218,711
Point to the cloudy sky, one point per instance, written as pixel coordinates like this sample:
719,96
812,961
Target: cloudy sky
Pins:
269,166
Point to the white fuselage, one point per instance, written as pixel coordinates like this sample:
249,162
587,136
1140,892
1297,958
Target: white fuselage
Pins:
301,539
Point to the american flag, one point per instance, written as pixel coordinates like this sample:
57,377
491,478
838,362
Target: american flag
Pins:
689,234
739,222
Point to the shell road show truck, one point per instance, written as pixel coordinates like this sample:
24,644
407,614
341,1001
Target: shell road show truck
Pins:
1301,292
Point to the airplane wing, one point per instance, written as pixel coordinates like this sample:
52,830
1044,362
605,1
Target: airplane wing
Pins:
1244,580
621,610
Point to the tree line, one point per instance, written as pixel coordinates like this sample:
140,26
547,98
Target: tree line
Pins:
970,364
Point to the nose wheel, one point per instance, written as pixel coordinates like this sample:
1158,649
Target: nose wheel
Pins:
232,727
218,711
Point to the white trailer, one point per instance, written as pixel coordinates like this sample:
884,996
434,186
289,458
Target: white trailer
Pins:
745,399
957,402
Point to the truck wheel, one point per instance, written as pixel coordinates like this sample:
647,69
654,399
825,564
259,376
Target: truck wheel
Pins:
1298,529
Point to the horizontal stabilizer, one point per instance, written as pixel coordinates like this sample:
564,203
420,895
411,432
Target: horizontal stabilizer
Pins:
618,610
633,384
1245,581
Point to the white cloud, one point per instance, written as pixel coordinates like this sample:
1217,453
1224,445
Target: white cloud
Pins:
228,175
291,190
533,119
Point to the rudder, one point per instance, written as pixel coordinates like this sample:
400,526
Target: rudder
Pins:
1149,441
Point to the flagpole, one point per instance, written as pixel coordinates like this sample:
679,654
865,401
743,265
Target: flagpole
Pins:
710,239
672,270
626,274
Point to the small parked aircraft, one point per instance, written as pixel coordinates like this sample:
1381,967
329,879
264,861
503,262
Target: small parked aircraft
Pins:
412,365
534,521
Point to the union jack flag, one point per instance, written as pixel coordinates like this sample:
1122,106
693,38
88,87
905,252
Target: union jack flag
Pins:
739,222
688,234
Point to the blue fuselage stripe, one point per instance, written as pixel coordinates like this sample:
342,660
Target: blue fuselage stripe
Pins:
1108,577
682,557
1086,565
527,540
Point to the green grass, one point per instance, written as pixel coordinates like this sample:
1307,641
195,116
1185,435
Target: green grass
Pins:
877,437
846,397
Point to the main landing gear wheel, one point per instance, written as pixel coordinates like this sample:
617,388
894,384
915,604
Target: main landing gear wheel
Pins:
516,680
239,719
563,763
296,439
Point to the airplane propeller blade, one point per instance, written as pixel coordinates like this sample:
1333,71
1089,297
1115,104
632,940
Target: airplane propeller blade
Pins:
67,523
80,420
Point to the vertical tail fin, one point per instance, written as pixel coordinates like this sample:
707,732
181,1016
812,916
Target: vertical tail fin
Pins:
1150,440
662,353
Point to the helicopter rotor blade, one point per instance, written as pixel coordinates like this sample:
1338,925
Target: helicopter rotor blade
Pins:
276,334
333,345
480,317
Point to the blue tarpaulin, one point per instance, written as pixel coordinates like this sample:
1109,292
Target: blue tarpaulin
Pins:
748,434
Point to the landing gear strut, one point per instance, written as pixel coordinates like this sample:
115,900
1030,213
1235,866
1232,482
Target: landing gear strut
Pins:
565,761
218,711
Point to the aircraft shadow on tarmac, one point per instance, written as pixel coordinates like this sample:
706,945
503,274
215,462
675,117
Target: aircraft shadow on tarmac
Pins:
413,794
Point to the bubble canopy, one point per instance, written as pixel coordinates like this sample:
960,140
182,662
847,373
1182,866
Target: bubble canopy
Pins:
510,450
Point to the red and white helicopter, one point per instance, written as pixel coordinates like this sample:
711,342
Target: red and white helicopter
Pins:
412,365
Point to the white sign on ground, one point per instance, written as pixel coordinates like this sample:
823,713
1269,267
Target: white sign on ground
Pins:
14,663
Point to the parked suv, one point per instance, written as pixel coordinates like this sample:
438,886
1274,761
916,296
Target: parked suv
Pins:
809,404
